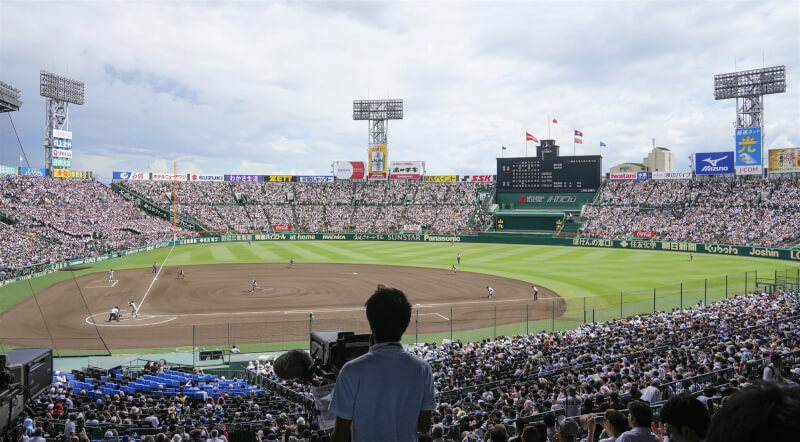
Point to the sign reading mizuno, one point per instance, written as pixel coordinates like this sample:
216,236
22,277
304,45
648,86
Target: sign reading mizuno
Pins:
713,163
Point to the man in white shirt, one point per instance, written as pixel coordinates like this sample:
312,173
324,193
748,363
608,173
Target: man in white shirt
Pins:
386,394
652,393
640,416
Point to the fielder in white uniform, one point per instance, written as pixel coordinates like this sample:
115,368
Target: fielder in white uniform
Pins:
491,292
255,286
110,275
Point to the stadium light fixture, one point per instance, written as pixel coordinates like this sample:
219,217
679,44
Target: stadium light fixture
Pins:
9,98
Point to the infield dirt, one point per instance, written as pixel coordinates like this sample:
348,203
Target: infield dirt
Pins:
213,296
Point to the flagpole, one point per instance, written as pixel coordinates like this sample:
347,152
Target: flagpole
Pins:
573,142
526,144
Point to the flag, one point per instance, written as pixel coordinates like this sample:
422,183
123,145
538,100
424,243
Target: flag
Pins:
578,140
602,144
578,133
504,148
529,137
555,121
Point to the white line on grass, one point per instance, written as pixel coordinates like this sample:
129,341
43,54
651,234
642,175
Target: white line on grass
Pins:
141,303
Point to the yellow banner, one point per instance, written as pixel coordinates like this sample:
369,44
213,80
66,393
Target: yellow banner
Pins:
439,179
378,160
61,173
66,173
784,160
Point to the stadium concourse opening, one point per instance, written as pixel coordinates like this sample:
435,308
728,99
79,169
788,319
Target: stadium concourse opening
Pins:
219,305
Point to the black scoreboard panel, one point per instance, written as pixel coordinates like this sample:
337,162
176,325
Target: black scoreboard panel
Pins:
562,174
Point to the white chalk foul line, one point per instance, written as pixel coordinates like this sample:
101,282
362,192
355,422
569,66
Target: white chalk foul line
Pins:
144,321
155,278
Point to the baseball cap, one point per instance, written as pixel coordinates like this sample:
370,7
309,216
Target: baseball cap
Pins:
567,426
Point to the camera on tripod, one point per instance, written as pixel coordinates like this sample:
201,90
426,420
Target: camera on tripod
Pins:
25,373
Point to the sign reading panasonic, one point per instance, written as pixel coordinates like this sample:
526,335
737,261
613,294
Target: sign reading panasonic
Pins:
713,163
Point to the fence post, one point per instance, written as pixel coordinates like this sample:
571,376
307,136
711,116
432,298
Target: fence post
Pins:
592,316
193,343
745,283
495,321
726,286
654,300
584,309
527,318
416,332
553,316
705,293
620,305
451,323
681,297
310,328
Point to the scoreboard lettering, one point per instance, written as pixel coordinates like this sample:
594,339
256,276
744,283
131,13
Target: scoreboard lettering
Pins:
561,174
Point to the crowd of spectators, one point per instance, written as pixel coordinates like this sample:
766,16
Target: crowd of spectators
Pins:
742,212
324,207
704,352
47,220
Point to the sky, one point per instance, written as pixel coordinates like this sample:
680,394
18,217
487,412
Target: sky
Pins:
267,87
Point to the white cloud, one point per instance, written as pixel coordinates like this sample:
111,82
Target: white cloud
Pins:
267,87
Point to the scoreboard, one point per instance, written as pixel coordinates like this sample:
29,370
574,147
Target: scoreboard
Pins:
559,174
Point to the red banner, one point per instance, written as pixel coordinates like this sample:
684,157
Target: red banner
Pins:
644,233
350,170
282,227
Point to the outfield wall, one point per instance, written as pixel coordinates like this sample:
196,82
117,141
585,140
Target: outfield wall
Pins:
787,254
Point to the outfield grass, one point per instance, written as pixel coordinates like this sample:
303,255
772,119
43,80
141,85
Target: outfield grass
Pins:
575,273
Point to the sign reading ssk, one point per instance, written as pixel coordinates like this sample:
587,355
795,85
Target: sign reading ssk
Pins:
713,163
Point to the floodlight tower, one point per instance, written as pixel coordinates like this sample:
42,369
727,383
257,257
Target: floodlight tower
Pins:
749,88
60,91
9,98
377,112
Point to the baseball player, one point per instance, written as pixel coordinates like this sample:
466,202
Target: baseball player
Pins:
110,275
255,286
181,275
458,258
134,309
454,269
114,315
535,293
291,262
155,267
491,292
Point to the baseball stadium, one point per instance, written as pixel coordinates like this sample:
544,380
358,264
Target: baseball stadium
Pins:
552,297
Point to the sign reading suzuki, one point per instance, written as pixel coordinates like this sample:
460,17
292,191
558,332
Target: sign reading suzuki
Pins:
748,151
195,177
713,163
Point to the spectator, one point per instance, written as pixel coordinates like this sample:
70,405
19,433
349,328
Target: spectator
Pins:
758,413
639,417
386,375
686,419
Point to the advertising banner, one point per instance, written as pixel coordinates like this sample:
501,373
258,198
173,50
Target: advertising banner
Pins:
168,177
641,176
671,175
243,178
282,227
195,177
315,178
64,134
406,170
62,162
349,170
644,233
713,163
139,176
412,228
61,143
7,170
378,158
61,173
32,171
280,178
478,178
440,178
61,153
748,151
120,175
784,160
